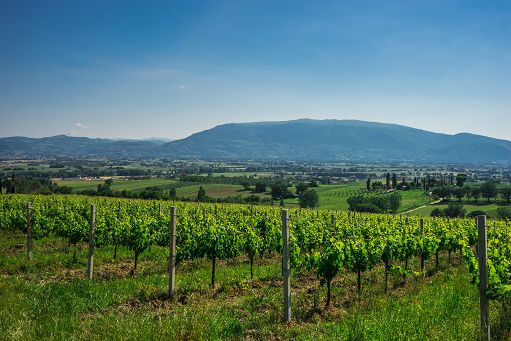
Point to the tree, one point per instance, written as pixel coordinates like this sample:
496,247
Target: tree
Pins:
460,179
301,187
394,180
260,187
10,187
444,192
308,199
368,184
489,190
505,192
172,192
395,201
458,192
201,195
377,185
278,190
105,189
313,183
1,185
246,185
468,191
476,193
387,180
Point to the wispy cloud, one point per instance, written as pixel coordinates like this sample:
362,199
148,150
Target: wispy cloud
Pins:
81,125
182,87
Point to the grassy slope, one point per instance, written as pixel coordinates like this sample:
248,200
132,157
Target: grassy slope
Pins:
49,299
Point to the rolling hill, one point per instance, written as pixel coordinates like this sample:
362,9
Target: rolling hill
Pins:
336,140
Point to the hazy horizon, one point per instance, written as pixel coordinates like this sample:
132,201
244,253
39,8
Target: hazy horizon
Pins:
170,69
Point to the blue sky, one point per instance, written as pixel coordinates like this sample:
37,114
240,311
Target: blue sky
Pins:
171,68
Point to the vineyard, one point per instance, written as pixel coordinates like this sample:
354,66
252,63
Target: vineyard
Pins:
325,244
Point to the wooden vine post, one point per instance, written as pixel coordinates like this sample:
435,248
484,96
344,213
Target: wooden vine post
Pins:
483,277
91,241
286,266
422,256
172,253
29,231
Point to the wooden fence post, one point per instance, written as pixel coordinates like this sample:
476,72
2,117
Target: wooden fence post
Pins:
91,241
172,254
483,277
286,266
29,231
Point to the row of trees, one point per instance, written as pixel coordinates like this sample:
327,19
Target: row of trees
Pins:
425,183
29,184
487,190
456,210
307,198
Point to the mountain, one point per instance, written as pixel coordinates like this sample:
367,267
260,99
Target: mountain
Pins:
62,145
338,140
299,140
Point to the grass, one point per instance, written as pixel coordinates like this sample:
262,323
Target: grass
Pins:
50,299
412,199
118,185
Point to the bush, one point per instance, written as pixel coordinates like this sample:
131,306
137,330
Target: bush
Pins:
504,213
475,213
308,199
455,211
370,208
437,212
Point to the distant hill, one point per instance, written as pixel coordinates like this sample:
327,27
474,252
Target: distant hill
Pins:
300,140
337,140
62,145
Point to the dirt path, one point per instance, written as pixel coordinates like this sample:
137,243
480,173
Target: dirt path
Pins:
416,208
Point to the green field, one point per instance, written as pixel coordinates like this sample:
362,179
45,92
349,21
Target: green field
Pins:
335,197
118,185
50,299
332,197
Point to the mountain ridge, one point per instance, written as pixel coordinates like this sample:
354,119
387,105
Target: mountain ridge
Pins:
295,140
